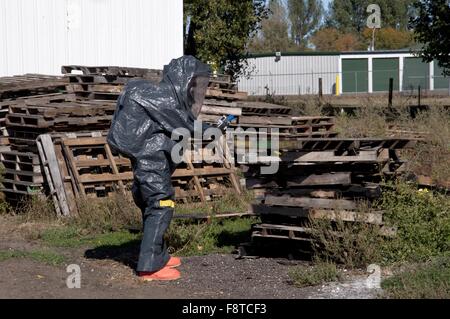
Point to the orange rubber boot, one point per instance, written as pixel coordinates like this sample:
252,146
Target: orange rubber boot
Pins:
173,262
164,274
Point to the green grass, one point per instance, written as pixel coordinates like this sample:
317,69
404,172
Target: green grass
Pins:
321,272
220,236
46,257
229,203
430,280
72,237
183,237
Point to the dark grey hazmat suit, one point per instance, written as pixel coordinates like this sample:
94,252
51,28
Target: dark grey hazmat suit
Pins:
145,117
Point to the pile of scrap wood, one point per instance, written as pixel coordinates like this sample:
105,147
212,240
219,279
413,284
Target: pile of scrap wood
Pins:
54,143
333,179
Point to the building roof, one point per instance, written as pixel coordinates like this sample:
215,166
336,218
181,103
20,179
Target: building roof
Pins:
316,53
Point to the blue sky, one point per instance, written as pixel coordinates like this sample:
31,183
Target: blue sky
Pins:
325,3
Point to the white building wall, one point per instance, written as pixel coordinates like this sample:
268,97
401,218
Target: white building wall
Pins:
39,36
291,75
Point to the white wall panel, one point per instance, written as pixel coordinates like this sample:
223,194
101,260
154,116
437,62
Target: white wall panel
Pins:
38,36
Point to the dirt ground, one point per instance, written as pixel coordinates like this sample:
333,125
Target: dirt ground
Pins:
212,277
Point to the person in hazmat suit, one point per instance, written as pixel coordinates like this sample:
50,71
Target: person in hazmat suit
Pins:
141,129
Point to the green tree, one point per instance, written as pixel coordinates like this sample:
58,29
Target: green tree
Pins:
389,38
351,15
218,31
432,28
305,17
273,35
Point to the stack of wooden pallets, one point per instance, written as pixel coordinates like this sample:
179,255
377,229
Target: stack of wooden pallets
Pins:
81,166
223,98
104,83
334,179
81,104
22,171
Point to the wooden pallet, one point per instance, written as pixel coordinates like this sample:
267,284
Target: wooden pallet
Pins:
87,167
58,112
22,173
226,94
262,108
58,123
111,70
30,84
281,232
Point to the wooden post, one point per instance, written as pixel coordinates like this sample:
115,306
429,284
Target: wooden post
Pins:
419,96
391,90
320,88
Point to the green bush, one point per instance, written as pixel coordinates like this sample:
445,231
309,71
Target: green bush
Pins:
422,218
430,280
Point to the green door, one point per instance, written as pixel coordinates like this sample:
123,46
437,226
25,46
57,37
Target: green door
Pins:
355,75
440,81
383,70
415,73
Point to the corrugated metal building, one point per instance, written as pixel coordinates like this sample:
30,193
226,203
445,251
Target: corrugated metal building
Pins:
38,36
353,72
293,73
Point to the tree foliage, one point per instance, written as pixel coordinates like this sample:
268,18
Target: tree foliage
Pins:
218,31
432,28
351,15
273,35
389,38
330,39
305,17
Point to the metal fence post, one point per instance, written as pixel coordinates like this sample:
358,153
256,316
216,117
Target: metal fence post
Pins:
391,89
419,96
320,88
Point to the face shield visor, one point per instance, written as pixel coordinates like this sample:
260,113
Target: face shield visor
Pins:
197,91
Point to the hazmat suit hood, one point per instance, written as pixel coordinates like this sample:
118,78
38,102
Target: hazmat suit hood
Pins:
189,79
146,111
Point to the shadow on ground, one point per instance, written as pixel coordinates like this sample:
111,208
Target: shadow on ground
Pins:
126,253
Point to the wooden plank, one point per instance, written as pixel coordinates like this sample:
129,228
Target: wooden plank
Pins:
104,162
86,141
266,120
229,162
220,94
310,202
199,187
343,178
214,102
329,156
221,110
69,183
48,158
113,166
96,178
372,217
72,168
181,172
